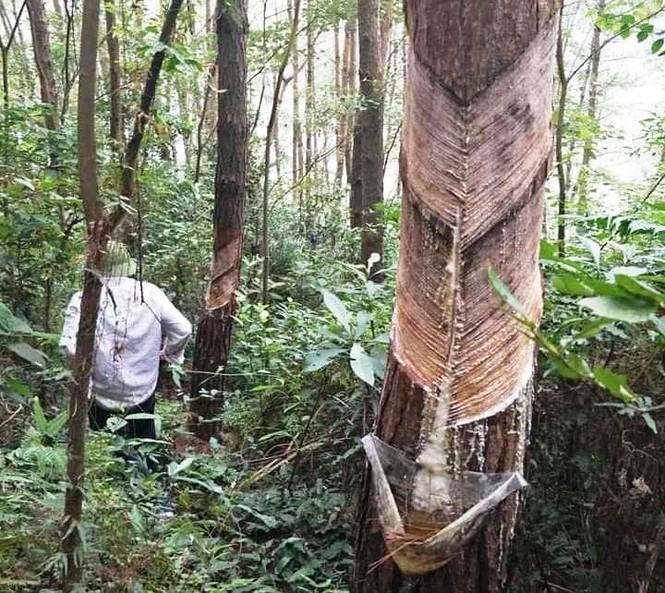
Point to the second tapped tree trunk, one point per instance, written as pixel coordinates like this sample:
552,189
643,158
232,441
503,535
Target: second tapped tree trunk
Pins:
213,336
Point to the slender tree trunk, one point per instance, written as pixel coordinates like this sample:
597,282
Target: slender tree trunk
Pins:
340,128
386,30
211,79
592,114
369,125
100,228
41,45
350,34
310,104
275,138
297,152
213,337
85,339
11,32
115,75
474,158
558,144
265,253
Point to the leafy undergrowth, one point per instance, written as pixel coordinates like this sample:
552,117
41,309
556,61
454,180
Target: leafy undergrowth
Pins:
209,521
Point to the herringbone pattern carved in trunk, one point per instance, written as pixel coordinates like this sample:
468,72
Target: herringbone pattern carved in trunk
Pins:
463,210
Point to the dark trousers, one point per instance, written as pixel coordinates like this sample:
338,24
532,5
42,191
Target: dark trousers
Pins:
135,429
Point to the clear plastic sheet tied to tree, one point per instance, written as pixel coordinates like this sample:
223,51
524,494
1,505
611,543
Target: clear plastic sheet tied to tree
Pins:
428,515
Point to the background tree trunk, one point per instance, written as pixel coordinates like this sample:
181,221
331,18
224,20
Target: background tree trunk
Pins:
350,35
41,45
100,229
592,115
213,337
474,159
115,76
85,338
370,127
562,200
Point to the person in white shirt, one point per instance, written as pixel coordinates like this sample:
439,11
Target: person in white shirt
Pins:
137,326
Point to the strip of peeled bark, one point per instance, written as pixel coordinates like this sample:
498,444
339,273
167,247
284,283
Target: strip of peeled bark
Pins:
475,151
213,336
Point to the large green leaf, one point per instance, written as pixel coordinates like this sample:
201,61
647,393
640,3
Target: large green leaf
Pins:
632,310
337,308
571,284
615,383
318,359
362,364
639,288
28,353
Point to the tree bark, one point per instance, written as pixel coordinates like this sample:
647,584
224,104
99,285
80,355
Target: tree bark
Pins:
100,228
265,253
85,339
213,336
474,158
562,199
592,114
369,125
297,151
115,76
41,45
350,34
340,127
310,102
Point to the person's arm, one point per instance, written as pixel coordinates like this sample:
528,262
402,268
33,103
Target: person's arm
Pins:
176,329
70,327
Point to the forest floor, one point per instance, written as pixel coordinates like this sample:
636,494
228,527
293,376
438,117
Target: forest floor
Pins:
195,524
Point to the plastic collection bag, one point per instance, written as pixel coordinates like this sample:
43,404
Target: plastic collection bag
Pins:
428,516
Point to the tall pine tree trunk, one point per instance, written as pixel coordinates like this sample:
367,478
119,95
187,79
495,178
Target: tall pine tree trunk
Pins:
370,127
41,45
474,157
115,76
213,336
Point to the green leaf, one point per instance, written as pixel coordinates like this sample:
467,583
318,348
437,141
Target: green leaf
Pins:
41,423
28,353
362,365
175,469
657,45
362,319
315,361
591,329
337,308
615,383
570,284
620,308
593,248
579,365
627,271
504,292
564,370
639,288
650,422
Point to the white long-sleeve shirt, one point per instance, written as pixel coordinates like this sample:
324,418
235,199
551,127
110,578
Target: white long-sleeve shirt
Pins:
134,318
